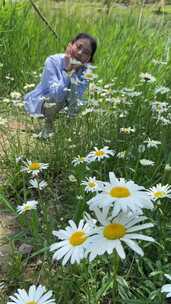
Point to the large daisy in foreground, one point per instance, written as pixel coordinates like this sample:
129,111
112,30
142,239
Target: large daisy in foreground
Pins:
113,231
167,287
122,195
35,295
74,241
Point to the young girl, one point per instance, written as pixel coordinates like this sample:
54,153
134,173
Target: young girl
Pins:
62,82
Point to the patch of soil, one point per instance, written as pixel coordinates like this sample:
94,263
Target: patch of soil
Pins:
7,228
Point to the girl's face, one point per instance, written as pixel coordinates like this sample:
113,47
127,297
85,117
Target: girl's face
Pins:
81,50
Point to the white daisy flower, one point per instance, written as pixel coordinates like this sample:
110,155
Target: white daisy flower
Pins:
121,154
15,95
152,143
74,241
146,162
28,86
146,77
167,167
72,178
167,288
99,154
91,184
33,167
38,185
162,90
30,205
113,231
2,285
35,295
128,130
78,160
121,195
159,191
89,75
19,159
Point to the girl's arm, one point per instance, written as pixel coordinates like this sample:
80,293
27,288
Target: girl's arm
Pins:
55,79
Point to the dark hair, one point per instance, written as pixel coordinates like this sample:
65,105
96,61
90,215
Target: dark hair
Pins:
92,40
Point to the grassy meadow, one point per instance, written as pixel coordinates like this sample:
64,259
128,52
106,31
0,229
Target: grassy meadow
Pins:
127,110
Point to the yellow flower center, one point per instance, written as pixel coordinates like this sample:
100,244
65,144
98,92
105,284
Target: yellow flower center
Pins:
88,75
92,184
160,194
114,231
82,158
77,238
100,153
31,302
34,166
27,208
120,192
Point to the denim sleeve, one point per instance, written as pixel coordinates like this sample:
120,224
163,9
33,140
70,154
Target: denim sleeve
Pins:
55,80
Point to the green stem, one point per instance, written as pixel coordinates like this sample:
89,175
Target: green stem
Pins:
115,263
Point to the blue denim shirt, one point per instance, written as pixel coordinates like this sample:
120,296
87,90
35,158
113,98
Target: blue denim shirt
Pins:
54,84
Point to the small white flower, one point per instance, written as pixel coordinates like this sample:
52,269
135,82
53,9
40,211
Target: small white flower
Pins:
89,75
28,86
78,160
159,191
167,288
88,110
9,78
2,285
99,154
160,107
141,148
167,167
152,143
37,185
6,100
15,95
30,205
162,90
72,178
146,77
130,92
19,159
35,295
146,162
33,167
91,184
128,130
155,61
74,241
121,154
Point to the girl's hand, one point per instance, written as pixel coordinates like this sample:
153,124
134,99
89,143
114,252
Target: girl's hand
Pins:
69,57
